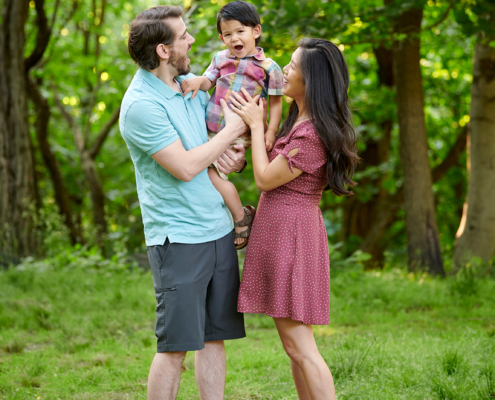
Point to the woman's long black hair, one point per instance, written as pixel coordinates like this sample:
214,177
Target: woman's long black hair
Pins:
326,78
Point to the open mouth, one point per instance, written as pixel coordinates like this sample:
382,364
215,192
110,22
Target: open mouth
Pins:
238,48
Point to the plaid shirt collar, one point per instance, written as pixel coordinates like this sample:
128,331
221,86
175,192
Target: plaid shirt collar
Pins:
260,55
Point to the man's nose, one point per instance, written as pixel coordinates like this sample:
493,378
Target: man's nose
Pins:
191,39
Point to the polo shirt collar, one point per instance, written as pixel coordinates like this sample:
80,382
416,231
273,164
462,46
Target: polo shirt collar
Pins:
260,55
160,86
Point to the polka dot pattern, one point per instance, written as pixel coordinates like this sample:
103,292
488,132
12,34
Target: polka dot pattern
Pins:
286,269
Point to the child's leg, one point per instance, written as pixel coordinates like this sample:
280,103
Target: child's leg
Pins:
231,198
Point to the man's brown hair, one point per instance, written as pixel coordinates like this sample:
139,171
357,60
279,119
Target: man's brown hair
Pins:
148,30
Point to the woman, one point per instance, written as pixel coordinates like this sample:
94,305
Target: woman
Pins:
286,270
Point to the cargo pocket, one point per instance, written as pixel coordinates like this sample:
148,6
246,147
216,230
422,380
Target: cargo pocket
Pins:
160,318
166,312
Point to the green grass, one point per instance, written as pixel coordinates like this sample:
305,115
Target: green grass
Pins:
83,333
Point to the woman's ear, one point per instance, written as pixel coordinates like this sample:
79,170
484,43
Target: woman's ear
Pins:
163,52
257,31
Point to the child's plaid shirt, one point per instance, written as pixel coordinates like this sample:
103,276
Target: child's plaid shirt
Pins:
255,73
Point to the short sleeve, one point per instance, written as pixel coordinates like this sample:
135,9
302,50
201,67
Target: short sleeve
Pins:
275,80
311,154
148,127
213,71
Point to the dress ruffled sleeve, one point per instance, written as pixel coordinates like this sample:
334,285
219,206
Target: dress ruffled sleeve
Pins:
311,154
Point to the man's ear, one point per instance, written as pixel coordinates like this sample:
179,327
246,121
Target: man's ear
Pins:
257,31
163,52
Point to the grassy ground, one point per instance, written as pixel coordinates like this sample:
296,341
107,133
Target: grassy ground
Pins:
83,333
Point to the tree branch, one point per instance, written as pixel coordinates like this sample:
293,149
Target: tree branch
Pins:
59,188
442,18
100,139
52,23
452,157
42,38
75,129
91,105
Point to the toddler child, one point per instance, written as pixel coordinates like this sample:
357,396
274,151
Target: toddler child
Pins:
241,65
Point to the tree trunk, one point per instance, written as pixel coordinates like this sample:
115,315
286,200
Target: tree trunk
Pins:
97,198
359,217
59,188
421,226
476,234
18,191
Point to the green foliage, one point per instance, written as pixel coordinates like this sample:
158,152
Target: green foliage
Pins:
465,283
452,362
355,262
351,357
74,66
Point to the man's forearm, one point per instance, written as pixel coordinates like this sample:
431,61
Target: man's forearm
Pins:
186,164
202,156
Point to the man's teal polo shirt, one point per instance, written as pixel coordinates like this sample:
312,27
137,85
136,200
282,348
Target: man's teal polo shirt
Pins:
152,117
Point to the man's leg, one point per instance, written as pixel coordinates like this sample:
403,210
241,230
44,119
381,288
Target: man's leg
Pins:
209,366
181,274
164,377
222,321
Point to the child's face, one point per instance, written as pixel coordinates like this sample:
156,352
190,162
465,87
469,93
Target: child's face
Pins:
239,39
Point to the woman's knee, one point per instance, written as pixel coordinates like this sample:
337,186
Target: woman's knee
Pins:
292,351
299,355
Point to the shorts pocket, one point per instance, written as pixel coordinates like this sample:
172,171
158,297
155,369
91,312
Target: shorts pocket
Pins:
160,317
166,314
156,256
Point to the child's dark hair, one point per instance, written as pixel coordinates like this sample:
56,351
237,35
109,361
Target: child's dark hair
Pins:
240,11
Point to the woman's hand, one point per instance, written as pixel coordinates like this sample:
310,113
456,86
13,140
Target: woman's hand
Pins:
248,110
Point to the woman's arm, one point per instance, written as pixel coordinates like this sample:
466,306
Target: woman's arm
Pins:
267,176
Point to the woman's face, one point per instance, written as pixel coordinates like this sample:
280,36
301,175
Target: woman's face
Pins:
294,86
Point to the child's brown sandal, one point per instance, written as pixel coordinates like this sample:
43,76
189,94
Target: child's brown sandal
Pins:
249,212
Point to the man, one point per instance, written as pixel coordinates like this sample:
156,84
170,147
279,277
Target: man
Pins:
187,226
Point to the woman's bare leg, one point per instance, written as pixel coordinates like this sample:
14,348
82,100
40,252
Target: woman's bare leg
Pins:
302,390
299,344
231,199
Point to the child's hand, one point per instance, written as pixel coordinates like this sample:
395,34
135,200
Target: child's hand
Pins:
269,140
191,85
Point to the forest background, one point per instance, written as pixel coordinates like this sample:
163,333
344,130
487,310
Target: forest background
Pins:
422,87
411,252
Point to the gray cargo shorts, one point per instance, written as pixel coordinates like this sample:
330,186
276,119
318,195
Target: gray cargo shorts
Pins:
196,289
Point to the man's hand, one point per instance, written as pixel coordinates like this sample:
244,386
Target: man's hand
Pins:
231,161
232,120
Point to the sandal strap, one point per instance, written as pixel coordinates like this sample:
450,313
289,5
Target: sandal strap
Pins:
243,234
246,220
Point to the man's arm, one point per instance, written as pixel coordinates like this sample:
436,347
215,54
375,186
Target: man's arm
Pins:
186,164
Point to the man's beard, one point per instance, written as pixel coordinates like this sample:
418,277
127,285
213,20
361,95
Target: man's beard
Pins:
179,63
